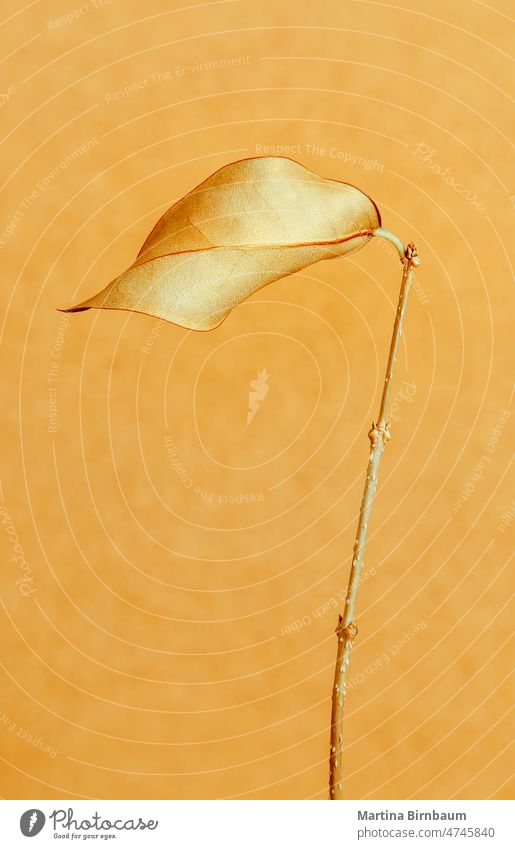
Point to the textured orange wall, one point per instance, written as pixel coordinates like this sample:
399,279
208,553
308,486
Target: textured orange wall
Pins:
150,648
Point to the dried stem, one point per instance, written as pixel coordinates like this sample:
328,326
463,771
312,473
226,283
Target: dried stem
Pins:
346,629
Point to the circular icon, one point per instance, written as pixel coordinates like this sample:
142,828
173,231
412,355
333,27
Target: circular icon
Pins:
31,822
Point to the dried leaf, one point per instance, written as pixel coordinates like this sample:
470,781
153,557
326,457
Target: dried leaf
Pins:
249,224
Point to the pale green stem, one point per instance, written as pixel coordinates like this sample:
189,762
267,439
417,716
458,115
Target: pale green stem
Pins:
379,434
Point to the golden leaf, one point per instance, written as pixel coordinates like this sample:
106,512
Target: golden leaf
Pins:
250,223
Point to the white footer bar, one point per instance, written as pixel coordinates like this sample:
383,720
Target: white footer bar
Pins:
257,824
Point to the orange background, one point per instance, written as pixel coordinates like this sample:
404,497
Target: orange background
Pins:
153,653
